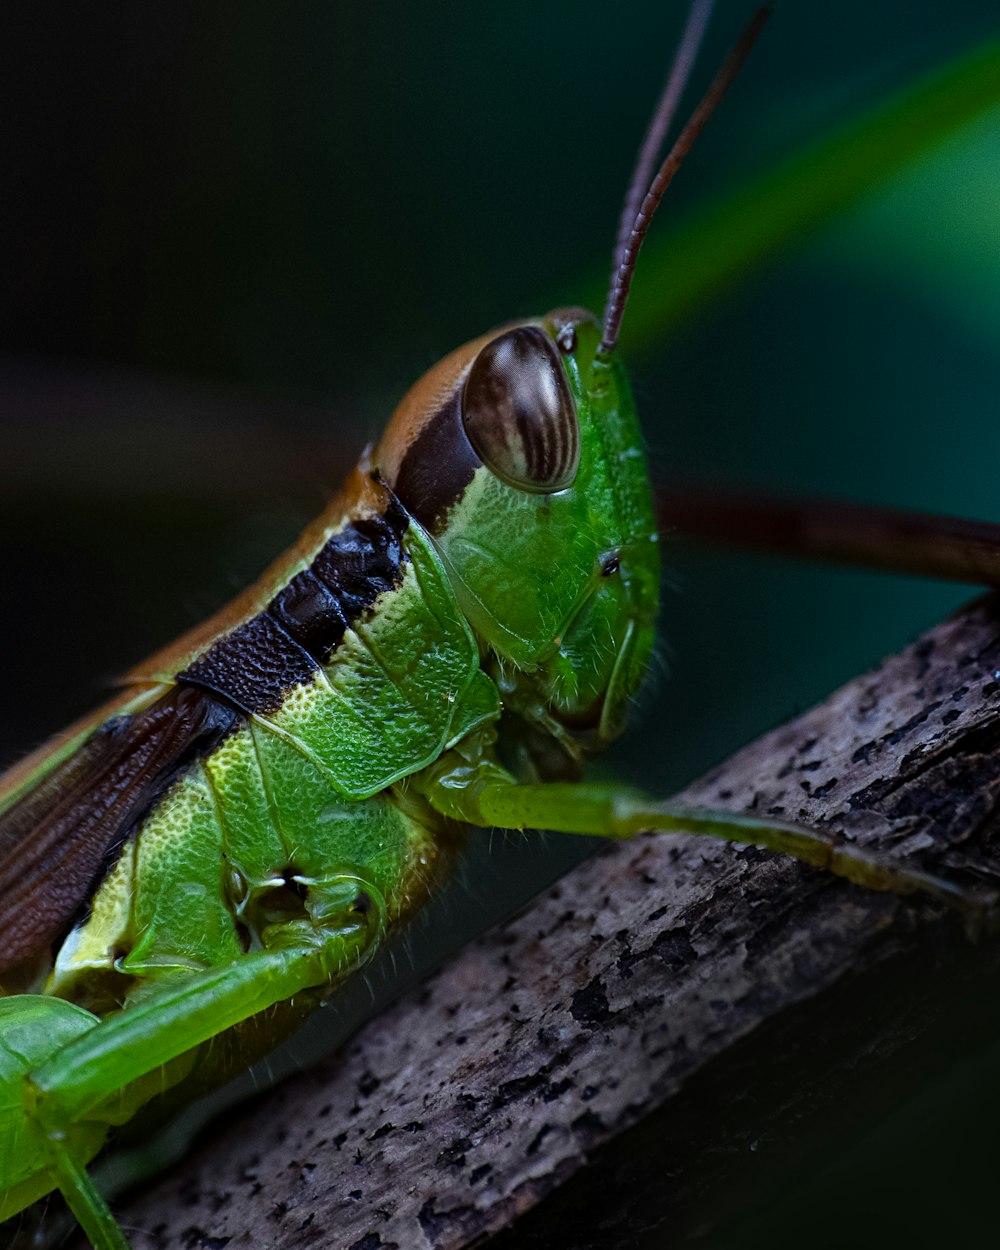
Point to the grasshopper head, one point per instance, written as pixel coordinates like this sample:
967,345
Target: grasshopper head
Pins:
521,456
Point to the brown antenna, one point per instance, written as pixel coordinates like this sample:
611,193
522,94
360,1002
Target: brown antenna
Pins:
645,162
626,255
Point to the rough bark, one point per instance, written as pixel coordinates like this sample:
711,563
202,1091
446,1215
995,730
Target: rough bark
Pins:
474,1097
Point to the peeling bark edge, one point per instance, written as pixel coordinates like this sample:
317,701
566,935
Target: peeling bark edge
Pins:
474,1097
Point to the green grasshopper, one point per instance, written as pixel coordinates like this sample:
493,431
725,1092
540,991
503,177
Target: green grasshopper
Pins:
233,834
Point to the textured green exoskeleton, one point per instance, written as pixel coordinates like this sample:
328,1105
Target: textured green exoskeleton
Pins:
220,846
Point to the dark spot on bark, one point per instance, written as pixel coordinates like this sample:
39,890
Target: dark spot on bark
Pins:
368,1084
557,1089
826,788
383,1130
626,959
453,1154
370,1241
899,734
674,948
869,701
518,1089
590,1005
479,1173
535,1144
434,1223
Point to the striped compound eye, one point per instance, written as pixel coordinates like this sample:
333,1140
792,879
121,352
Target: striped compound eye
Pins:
519,414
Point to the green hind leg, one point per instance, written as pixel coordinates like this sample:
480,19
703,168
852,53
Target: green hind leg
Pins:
89,1209
616,812
100,1075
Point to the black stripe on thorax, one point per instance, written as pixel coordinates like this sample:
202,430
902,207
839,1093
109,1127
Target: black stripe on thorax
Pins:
437,466
255,665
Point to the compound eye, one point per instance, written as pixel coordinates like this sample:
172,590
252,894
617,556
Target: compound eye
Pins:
519,414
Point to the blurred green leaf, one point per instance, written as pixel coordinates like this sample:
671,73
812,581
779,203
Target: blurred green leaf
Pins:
719,243
935,233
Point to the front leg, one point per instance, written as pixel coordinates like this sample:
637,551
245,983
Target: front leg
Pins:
483,794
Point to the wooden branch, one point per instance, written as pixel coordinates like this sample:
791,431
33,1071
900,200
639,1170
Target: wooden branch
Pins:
471,1099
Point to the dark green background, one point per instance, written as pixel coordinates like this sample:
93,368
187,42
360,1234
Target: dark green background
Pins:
234,233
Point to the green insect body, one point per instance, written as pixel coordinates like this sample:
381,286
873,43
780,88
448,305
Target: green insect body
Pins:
274,791
233,834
